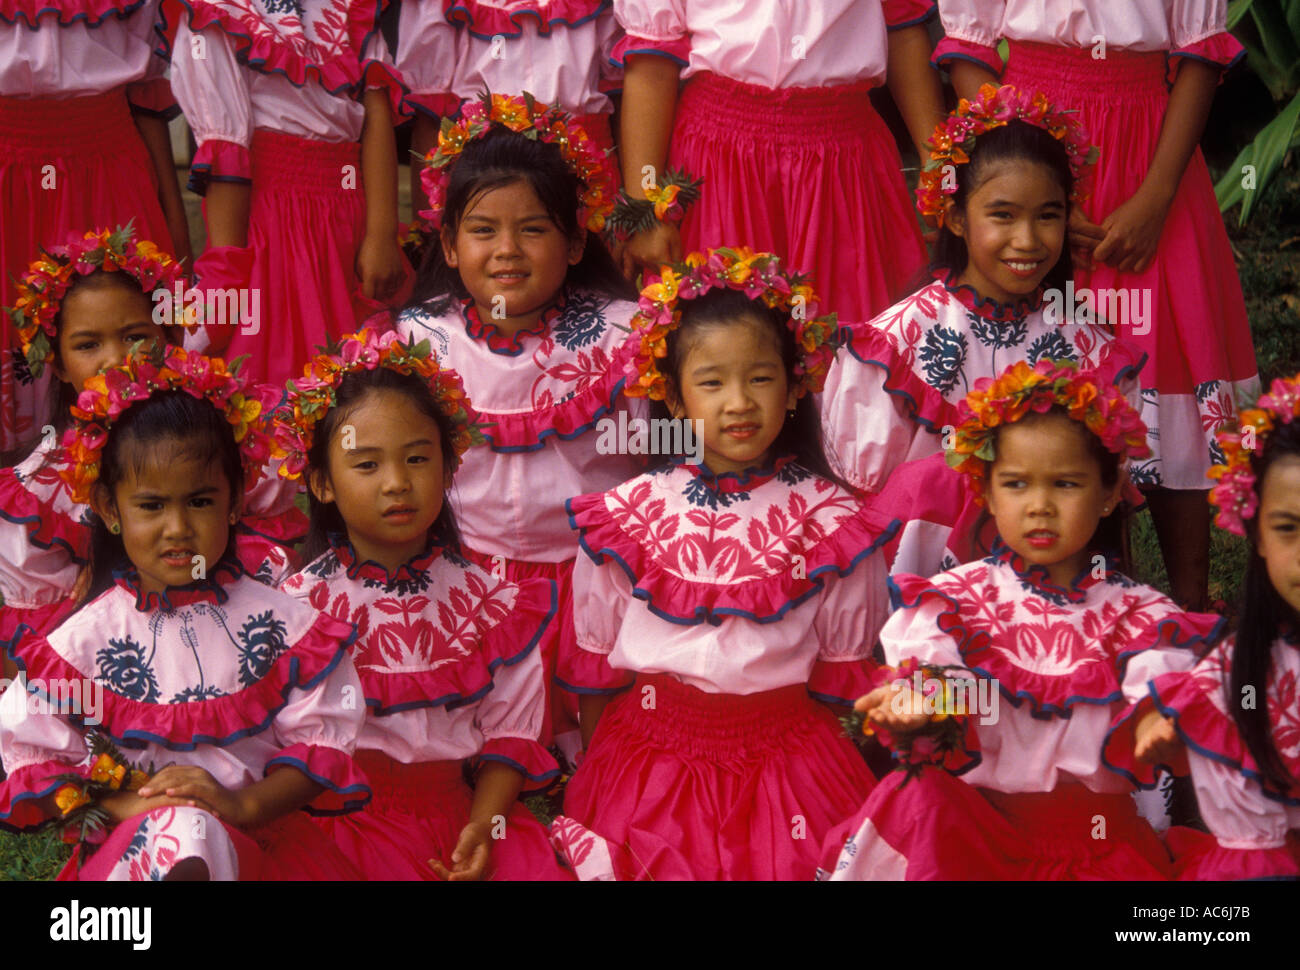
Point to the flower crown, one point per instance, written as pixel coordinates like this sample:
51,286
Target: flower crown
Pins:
953,142
41,290
311,396
1020,389
149,371
1234,496
758,276
522,114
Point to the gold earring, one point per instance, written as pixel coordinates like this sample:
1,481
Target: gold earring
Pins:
115,528
1105,510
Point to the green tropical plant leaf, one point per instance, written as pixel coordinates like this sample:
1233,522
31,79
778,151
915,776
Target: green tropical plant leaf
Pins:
1267,153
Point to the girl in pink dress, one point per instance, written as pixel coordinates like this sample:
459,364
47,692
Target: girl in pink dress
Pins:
450,50
1016,166
447,652
731,594
245,696
76,76
1244,758
522,299
1005,673
291,102
1142,76
775,118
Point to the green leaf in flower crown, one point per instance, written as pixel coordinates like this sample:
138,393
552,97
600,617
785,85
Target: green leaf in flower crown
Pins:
985,450
122,235
421,350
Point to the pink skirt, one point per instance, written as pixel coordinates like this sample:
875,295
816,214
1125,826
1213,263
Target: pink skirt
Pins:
682,784
57,178
1200,357
417,814
936,826
811,174
1198,856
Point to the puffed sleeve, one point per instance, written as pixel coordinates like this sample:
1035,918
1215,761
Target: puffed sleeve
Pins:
655,27
913,633
866,428
907,13
34,748
971,32
318,730
1198,30
152,94
380,73
600,598
849,617
213,92
510,718
426,57
609,35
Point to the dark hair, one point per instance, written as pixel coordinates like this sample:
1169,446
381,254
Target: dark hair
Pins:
194,428
1015,141
352,392
500,158
801,435
1263,616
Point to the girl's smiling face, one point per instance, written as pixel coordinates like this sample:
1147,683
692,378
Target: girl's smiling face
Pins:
1013,225
733,380
99,326
1278,543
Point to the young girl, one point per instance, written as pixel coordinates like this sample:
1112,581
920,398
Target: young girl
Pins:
1237,710
446,650
775,118
80,308
1004,173
1006,672
290,105
74,77
522,299
450,50
1152,224
736,593
244,696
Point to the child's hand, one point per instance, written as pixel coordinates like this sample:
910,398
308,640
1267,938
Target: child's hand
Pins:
895,708
1155,740
651,249
1133,232
194,786
1084,237
470,858
123,805
380,267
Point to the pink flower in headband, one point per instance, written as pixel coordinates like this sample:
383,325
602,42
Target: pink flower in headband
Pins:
1236,496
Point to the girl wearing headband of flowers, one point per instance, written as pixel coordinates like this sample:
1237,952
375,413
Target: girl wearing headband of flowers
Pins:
1006,780
236,689
447,652
733,592
521,298
1238,710
1003,174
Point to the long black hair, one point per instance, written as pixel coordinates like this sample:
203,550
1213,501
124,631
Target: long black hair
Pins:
1015,141
173,420
353,391
498,159
1264,614
801,435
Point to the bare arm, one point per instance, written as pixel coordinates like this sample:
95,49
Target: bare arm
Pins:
967,78
379,260
913,84
154,134
645,131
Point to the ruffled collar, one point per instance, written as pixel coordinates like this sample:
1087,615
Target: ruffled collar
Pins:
511,345
729,483
413,570
1037,578
987,307
210,589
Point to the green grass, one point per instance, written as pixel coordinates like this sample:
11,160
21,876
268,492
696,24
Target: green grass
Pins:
29,857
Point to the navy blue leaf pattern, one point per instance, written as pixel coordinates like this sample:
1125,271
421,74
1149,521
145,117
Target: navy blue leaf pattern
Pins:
1050,346
993,334
197,694
581,322
943,356
1206,390
123,667
699,492
261,640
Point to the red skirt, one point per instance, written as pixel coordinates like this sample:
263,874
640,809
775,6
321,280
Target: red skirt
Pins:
1197,338
417,814
682,784
811,174
66,166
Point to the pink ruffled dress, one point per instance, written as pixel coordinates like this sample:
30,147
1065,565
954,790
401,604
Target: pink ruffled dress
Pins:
892,393
727,603
275,103
1254,826
557,50
540,396
1027,792
775,117
1200,358
450,672
72,74
227,675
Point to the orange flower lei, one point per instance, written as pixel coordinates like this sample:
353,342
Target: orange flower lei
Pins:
522,114
1234,496
311,396
41,290
1019,389
954,139
759,276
